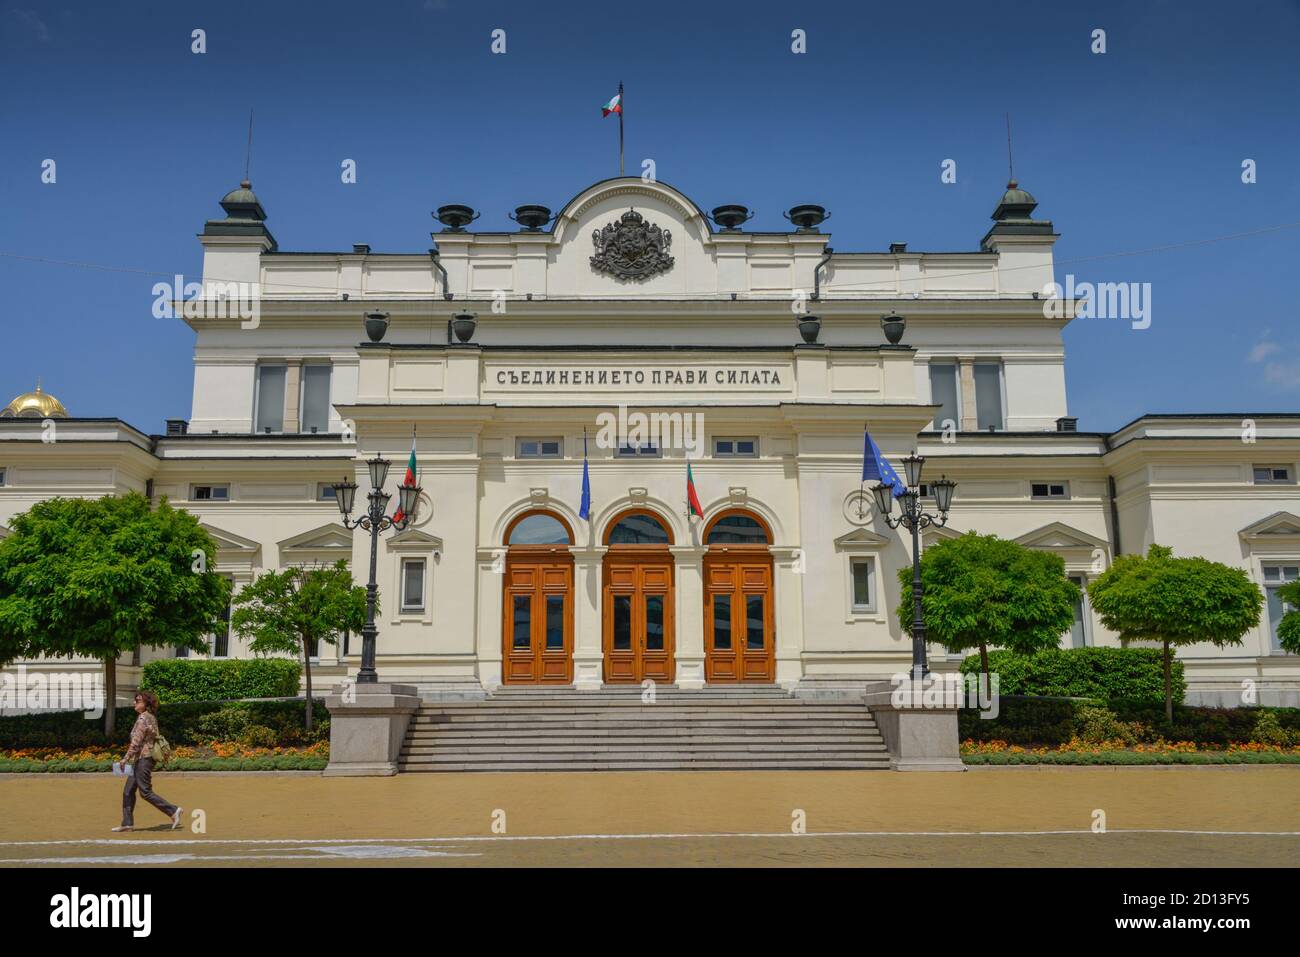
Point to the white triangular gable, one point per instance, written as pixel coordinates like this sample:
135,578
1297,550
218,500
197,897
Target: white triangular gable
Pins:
1058,535
1277,526
230,542
325,538
861,538
414,540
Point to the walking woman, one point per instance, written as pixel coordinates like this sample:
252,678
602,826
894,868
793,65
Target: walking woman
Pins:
139,759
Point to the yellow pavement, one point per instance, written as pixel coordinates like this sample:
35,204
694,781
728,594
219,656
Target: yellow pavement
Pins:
1217,816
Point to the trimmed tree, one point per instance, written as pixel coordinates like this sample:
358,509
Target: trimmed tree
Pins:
102,577
296,609
1175,601
981,591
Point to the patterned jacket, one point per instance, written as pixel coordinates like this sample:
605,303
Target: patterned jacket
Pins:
143,734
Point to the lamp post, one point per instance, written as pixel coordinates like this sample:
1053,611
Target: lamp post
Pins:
374,521
915,518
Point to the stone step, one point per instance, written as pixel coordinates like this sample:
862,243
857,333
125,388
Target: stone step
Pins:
747,764
708,741
607,757
811,711
657,734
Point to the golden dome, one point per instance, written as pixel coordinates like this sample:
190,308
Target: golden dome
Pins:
35,405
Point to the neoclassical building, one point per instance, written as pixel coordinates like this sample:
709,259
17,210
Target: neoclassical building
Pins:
631,305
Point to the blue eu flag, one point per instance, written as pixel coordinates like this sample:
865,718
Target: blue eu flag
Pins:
584,508
875,468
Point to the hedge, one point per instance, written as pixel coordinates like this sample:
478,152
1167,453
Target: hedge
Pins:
1054,721
180,679
1100,673
181,723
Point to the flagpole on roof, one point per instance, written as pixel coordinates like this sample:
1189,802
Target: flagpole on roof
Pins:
620,127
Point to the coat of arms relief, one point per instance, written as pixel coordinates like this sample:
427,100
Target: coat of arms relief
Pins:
631,248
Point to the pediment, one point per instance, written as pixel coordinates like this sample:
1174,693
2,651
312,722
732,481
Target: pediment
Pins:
939,533
332,537
861,538
1275,526
5,531
229,541
416,540
1058,535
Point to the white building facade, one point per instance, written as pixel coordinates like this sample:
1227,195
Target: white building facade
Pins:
633,304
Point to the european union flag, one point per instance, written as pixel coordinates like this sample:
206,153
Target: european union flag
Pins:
875,468
584,508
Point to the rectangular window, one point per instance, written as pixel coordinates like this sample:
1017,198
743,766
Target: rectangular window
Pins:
315,397
654,622
740,447
270,398
623,622
552,448
1079,629
943,393
864,585
325,492
554,622
755,623
988,396
1049,489
209,493
1274,577
413,584
2,478
221,640
643,450
1273,475
722,622
522,636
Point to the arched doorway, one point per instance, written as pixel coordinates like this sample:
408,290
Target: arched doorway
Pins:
637,604
739,635
537,629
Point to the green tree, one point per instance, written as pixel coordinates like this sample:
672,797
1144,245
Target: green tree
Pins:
1176,601
101,577
981,591
296,609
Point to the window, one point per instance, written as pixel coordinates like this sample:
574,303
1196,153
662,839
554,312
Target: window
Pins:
182,651
639,529
736,529
1049,490
988,396
1079,628
2,478
209,493
740,447
539,448
539,529
270,398
315,397
1274,577
221,640
943,393
325,492
643,449
413,584
862,576
1273,475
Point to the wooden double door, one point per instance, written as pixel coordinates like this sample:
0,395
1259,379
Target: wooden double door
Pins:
637,610
538,638
739,636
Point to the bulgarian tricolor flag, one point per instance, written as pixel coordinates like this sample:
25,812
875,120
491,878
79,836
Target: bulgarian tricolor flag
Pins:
693,506
408,479
613,106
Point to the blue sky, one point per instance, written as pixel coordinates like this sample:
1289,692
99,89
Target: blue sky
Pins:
1137,148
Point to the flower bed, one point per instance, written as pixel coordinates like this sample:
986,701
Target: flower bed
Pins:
213,756
1076,751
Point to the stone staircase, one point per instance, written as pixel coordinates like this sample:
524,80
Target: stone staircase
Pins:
559,729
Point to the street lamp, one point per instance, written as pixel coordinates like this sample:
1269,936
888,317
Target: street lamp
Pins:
374,521
914,517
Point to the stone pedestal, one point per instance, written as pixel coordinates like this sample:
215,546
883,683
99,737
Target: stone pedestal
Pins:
920,734
368,723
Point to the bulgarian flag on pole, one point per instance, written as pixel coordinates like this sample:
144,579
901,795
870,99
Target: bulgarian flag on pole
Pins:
408,479
615,105
693,506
